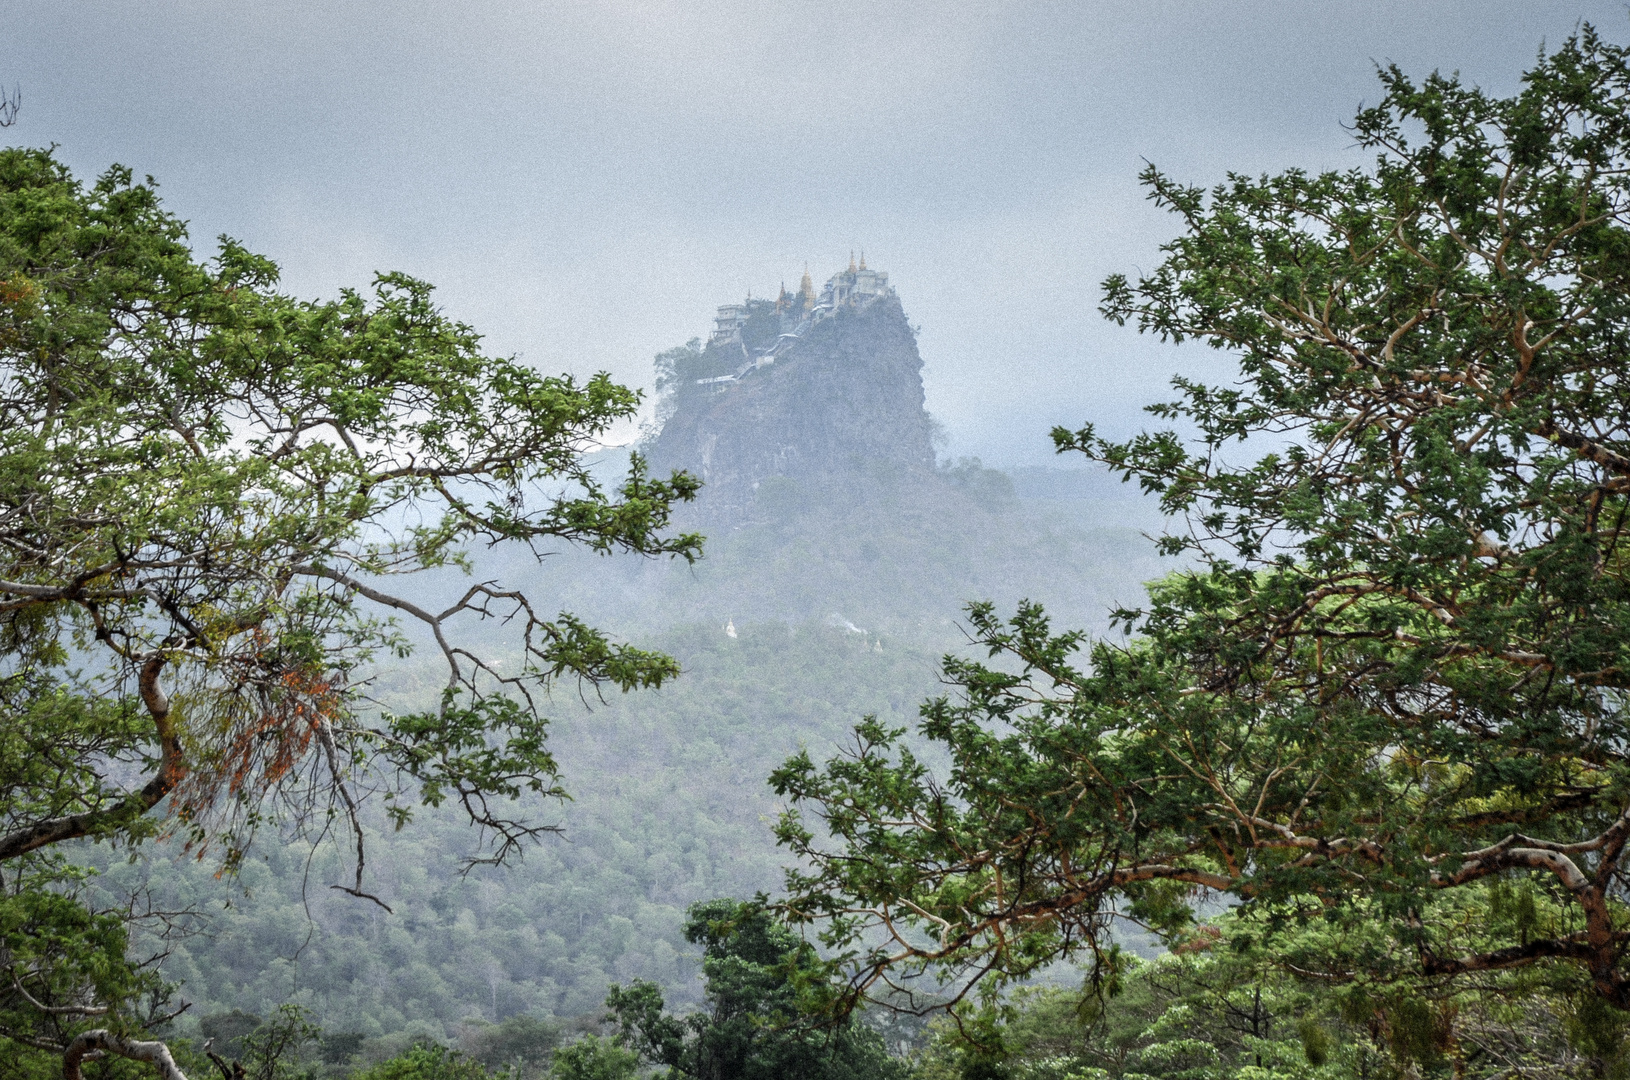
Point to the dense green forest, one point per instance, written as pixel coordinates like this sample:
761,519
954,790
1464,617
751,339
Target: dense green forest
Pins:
669,808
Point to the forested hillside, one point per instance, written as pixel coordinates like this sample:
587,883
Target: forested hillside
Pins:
669,798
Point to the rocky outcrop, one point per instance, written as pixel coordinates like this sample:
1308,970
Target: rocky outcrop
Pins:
823,501
835,403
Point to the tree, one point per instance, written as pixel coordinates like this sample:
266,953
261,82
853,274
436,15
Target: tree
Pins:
261,1050
1390,687
525,1044
1220,1005
753,1027
425,1061
594,1058
208,491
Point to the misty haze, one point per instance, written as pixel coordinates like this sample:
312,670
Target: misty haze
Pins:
776,542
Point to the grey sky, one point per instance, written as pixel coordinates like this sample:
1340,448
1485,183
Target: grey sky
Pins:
586,181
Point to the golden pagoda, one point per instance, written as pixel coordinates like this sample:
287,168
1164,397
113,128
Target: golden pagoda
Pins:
806,291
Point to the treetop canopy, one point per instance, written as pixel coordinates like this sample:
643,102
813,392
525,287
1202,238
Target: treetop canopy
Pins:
1391,676
210,493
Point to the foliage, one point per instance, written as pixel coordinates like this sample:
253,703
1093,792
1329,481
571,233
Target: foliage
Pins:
206,490
424,1061
895,551
1395,678
668,809
340,1047
594,1058
587,1058
668,802
752,1027
66,959
1221,1005
525,1043
225,1032
677,370
270,1050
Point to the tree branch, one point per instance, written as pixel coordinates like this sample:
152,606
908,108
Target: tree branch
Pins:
172,768
102,1040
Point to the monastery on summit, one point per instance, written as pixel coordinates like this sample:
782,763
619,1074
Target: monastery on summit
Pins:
852,289
804,386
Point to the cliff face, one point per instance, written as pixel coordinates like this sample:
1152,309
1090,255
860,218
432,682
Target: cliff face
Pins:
833,404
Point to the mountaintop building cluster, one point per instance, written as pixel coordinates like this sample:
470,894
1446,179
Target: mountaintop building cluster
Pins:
851,289
854,287
815,387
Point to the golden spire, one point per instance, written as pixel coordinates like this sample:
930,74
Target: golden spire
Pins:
851,262
806,289
863,258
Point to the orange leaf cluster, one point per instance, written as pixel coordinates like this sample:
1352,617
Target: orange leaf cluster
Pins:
260,752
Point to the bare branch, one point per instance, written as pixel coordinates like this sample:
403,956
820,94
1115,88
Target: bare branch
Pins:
101,1040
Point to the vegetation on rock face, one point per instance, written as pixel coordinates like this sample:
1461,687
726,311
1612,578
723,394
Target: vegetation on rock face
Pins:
206,491
1389,699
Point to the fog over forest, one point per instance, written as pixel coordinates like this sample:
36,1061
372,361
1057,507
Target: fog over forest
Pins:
841,549
1002,541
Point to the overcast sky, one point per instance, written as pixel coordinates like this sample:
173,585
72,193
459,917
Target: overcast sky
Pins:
585,182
